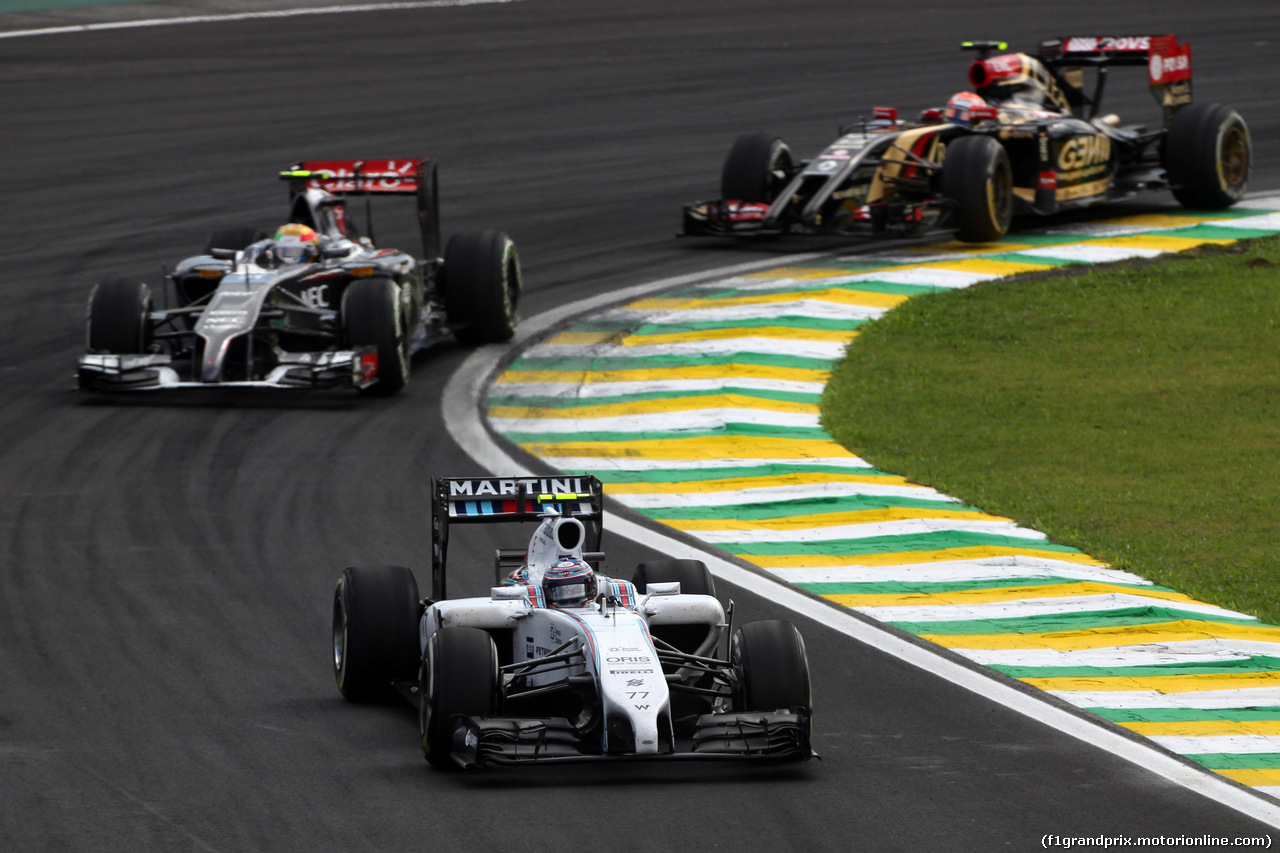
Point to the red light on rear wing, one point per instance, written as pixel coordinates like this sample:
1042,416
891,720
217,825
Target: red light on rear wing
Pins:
885,113
357,177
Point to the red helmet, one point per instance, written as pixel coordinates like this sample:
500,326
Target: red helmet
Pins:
959,107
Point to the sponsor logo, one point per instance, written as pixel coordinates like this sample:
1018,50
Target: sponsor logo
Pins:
496,488
828,166
1108,44
631,672
629,659
316,297
1084,151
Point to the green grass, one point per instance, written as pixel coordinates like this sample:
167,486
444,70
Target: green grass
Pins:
1131,411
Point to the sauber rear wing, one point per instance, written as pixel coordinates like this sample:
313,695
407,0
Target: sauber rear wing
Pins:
374,178
478,500
1168,63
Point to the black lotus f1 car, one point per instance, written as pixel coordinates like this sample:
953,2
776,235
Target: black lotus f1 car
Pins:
1030,139
560,662
343,314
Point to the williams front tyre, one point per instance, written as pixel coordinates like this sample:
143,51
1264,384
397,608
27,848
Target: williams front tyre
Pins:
375,631
772,670
977,176
458,677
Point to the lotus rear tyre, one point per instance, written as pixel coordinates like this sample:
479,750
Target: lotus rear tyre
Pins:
1208,156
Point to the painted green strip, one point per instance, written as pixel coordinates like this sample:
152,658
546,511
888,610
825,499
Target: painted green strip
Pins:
1252,664
584,364
930,588
1217,232
1186,715
743,429
1054,622
1234,761
789,508
1018,258
935,541
694,475
544,402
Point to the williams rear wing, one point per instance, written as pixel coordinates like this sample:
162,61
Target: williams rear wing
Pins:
1168,63
376,178
481,500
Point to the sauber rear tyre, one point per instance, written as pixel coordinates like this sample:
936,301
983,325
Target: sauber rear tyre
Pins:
375,631
458,677
482,284
119,318
757,169
1208,156
233,238
694,579
372,316
977,176
772,668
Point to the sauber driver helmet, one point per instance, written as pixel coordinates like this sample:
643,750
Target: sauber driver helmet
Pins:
959,107
569,583
296,243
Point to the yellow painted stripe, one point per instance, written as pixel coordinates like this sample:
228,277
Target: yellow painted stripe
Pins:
733,484
907,558
831,519
815,272
1161,683
986,267
1181,630
1205,728
955,246
704,447
1159,220
792,333
837,296
664,404
711,371
1007,593
1252,776
1159,242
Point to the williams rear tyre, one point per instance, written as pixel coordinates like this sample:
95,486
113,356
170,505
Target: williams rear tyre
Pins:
375,631
1208,155
458,677
119,317
372,316
694,579
482,285
977,176
233,238
757,169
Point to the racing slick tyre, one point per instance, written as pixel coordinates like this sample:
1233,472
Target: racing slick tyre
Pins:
458,676
978,177
482,285
1208,155
694,579
757,168
375,631
233,238
372,316
772,668
119,317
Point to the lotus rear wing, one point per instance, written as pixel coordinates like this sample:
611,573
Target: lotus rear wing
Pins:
1168,63
488,500
376,178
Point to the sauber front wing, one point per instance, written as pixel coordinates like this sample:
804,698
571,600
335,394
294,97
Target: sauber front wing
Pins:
356,368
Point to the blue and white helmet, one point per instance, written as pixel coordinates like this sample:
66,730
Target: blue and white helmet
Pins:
569,583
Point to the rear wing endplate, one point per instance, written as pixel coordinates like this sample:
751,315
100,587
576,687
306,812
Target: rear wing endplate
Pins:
1168,63
375,178
481,500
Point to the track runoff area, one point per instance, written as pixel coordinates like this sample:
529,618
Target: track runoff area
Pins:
696,401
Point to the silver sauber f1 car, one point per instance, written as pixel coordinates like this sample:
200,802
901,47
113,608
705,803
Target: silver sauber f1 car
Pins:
560,662
314,305
1030,138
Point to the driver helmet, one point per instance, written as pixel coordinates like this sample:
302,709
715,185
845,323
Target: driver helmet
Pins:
569,583
958,108
296,243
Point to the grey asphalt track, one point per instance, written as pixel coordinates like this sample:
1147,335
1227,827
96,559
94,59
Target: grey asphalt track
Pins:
168,563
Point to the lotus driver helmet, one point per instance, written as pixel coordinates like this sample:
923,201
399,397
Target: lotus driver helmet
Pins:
959,107
569,583
296,243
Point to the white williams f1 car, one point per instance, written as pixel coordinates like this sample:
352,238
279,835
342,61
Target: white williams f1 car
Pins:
314,305
561,663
